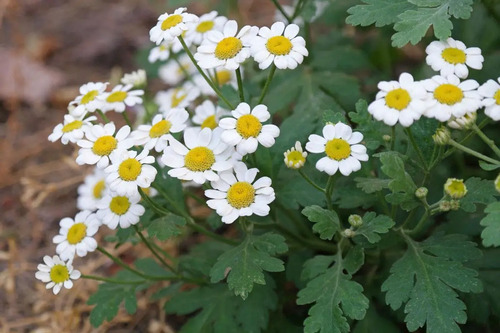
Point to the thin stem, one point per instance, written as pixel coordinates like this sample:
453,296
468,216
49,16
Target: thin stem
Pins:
216,79
209,233
124,265
158,209
178,210
195,197
127,120
486,140
282,11
240,85
153,251
182,68
393,137
416,147
103,116
298,9
421,225
268,82
210,83
328,192
309,180
109,280
473,152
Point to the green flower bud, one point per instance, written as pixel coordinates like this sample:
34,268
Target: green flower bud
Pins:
421,192
355,221
348,233
454,204
455,188
442,136
444,206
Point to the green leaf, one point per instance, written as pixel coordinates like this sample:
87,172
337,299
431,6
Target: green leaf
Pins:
222,311
335,295
326,222
373,226
422,131
245,264
375,322
169,188
426,277
371,185
372,130
402,184
491,222
479,191
380,12
330,116
150,267
166,227
346,195
293,191
487,166
202,257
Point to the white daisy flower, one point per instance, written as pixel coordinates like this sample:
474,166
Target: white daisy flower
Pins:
400,101
75,236
159,53
453,57
159,132
228,48
92,190
171,73
116,209
57,273
280,45
136,78
295,158
245,130
239,194
207,22
201,158
88,100
208,115
342,148
100,143
128,170
450,97
71,130
222,77
120,97
179,97
170,26
490,91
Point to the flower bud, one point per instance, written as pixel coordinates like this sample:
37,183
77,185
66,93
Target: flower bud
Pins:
455,188
387,138
348,233
442,136
355,221
137,78
444,206
464,122
454,204
421,192
295,157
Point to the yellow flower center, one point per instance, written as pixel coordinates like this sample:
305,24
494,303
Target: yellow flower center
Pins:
104,145
171,21
453,55
117,96
205,26
129,169
455,188
59,273
397,99
163,48
76,233
98,189
338,149
228,48
119,205
160,128
199,159
209,122
279,45
248,125
223,76
241,195
497,97
448,94
177,98
295,157
89,97
72,126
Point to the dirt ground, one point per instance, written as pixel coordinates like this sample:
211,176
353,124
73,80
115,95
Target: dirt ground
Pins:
48,48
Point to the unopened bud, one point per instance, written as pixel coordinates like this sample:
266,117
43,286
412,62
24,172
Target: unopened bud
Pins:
348,233
387,138
442,136
355,221
464,122
454,204
421,192
455,188
444,206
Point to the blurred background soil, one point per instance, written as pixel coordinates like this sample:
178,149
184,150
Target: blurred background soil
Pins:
48,49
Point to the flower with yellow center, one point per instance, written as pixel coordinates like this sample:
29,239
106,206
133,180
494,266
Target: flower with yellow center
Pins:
202,157
455,188
128,170
245,129
452,57
136,78
100,142
170,26
238,194
57,273
279,45
89,99
160,131
123,210
222,77
175,71
295,158
207,115
400,101
179,97
227,49
342,148
159,53
448,97
71,130
490,91
208,22
76,235
92,190
120,97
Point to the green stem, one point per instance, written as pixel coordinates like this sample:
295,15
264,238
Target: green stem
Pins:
393,137
473,152
210,83
178,210
153,251
486,140
309,180
268,82
124,265
297,10
109,280
421,225
195,197
103,116
158,209
209,233
282,11
127,120
216,79
240,85
416,147
328,192
182,68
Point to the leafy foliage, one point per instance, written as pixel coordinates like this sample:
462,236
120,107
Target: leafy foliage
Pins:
491,222
372,130
479,191
326,222
335,295
166,227
373,226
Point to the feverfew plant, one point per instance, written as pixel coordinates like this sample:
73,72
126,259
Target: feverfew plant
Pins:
345,185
